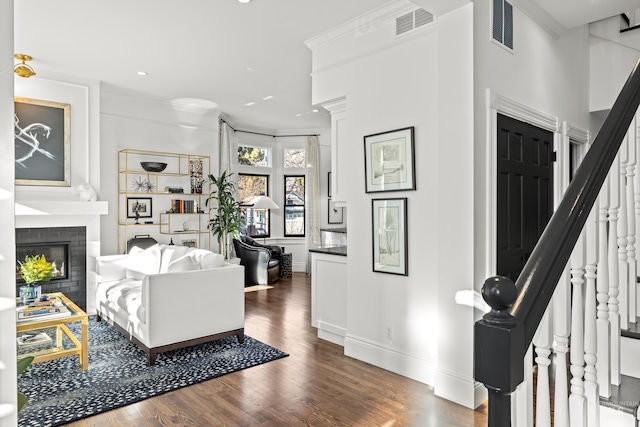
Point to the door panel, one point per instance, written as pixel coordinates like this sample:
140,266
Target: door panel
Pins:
524,193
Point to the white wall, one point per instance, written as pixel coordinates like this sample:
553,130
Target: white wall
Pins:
129,121
388,84
8,384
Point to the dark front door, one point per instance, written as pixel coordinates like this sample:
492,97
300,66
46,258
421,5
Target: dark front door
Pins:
525,191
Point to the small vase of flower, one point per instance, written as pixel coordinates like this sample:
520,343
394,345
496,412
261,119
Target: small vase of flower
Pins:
34,269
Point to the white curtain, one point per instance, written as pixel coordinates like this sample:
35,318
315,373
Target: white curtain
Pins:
227,164
312,198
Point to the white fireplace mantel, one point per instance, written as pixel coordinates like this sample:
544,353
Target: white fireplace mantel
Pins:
66,213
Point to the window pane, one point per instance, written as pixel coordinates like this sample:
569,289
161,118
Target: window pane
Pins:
250,187
254,156
294,158
294,221
294,190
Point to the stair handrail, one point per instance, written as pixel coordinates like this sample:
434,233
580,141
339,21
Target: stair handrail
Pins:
502,336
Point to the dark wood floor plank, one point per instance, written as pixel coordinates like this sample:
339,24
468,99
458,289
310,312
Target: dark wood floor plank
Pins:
315,386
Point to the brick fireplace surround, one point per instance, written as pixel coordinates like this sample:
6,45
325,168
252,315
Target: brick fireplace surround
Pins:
67,217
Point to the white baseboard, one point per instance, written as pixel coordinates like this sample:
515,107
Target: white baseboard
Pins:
629,361
609,417
390,359
331,333
462,390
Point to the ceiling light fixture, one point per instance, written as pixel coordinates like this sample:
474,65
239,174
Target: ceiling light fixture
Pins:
266,98
142,73
250,104
244,1
22,69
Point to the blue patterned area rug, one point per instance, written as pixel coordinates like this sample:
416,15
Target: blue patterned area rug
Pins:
58,391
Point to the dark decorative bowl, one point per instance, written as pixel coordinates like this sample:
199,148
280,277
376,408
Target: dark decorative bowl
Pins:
153,166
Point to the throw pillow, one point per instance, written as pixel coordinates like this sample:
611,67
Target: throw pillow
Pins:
143,262
170,253
208,259
184,263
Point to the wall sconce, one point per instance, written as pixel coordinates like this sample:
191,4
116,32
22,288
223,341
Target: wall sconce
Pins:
22,69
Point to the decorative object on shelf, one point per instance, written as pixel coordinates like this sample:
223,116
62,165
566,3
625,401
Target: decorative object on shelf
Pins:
190,243
227,220
23,69
185,226
389,161
153,166
195,175
139,207
42,142
87,192
389,234
335,215
142,185
173,189
34,269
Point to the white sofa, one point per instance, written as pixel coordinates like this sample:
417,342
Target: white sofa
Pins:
167,297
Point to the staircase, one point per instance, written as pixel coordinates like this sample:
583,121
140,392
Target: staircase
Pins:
576,300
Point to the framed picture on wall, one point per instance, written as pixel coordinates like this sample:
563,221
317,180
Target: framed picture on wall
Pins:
140,206
335,213
389,161
42,142
389,235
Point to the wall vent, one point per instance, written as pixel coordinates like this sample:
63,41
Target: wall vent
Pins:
412,21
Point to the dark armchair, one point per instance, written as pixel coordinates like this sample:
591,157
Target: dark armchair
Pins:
261,262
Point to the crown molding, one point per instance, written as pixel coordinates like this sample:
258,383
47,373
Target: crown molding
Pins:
540,16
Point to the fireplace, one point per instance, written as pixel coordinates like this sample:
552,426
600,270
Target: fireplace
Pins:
56,253
64,246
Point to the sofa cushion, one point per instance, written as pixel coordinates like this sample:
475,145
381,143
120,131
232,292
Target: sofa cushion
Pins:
207,259
184,263
171,253
143,262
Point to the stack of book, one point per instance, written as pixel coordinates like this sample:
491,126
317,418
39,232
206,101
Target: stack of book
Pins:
41,310
183,206
33,339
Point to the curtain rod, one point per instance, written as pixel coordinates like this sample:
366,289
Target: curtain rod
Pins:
264,134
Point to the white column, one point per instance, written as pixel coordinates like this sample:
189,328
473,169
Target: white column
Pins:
542,341
577,400
631,218
590,345
614,311
603,327
623,233
561,327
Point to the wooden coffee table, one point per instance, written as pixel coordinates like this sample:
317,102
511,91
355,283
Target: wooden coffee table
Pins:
56,328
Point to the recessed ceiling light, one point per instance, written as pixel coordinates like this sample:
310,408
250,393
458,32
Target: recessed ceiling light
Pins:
315,111
266,98
298,115
244,1
142,73
249,104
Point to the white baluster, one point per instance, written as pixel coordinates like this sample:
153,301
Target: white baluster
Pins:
614,311
603,363
631,218
542,342
623,233
561,326
637,197
590,347
577,400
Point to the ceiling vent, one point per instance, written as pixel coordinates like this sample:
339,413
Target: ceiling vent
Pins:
412,21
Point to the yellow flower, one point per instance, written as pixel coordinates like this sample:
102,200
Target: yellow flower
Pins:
36,268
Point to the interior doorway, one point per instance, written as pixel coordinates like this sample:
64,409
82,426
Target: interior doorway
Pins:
524,191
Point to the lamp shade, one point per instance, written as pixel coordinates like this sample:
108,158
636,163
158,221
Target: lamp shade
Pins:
264,202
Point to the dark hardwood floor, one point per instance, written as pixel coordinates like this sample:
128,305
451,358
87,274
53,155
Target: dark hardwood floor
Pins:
315,386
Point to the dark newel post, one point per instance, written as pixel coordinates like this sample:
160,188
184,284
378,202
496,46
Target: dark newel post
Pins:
499,349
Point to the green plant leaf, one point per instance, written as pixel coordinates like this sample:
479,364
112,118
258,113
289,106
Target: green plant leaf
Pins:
22,400
24,363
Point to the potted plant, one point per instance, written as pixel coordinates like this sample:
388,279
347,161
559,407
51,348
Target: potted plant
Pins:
34,269
228,218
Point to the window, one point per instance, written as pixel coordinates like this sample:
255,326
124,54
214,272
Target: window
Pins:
294,193
503,22
249,187
294,158
254,156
